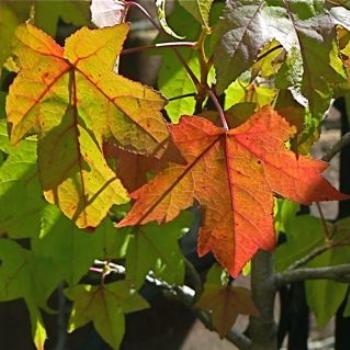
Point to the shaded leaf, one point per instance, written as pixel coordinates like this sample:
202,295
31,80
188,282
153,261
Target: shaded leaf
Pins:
249,25
73,250
24,275
154,247
161,4
135,169
225,302
105,306
232,174
199,9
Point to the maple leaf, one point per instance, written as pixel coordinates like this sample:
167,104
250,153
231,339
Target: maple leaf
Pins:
105,306
72,99
233,174
224,301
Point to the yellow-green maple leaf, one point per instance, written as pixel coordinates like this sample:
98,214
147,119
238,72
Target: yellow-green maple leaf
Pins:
71,98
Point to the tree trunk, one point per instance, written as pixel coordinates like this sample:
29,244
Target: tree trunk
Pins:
263,329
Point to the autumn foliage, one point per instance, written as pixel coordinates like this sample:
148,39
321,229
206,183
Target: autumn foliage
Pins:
81,142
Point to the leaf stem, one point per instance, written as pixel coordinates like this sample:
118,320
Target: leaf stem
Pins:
158,46
191,94
328,235
159,28
219,109
144,12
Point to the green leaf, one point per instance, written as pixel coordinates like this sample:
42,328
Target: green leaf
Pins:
24,275
161,4
21,202
74,250
11,14
156,247
199,9
285,211
304,233
105,306
48,13
173,79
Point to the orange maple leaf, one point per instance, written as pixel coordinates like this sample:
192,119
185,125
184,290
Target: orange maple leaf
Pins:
233,174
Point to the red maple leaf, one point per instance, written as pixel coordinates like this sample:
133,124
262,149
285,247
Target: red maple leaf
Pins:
233,174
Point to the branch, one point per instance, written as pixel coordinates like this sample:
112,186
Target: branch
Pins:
343,142
339,273
191,94
262,328
316,252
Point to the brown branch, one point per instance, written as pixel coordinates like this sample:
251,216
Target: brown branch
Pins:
339,273
343,142
170,45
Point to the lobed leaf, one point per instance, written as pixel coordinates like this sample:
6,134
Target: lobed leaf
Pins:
105,306
232,174
73,100
225,302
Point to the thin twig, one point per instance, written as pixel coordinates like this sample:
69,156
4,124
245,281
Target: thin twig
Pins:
186,66
158,46
316,252
144,12
339,273
324,222
191,94
263,55
219,109
343,142
158,27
